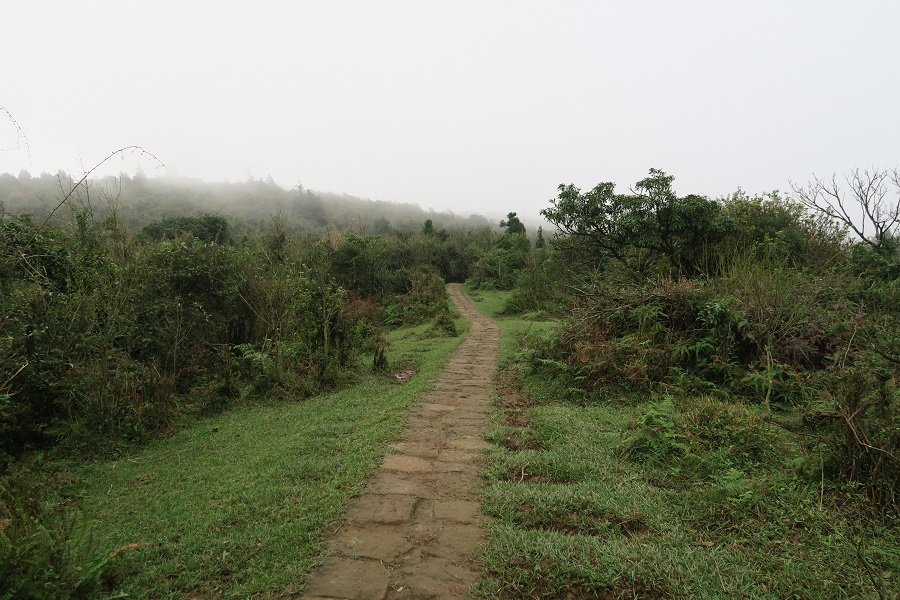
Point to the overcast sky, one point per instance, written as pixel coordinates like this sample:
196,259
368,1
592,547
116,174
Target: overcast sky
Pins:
469,106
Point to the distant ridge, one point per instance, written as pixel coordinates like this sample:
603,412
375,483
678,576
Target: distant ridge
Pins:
140,200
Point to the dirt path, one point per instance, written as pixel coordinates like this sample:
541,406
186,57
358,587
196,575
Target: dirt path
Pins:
415,532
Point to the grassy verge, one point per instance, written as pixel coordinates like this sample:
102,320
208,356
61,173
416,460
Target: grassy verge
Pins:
646,498
240,503
514,330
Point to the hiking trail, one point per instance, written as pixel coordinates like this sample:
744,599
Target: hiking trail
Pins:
415,531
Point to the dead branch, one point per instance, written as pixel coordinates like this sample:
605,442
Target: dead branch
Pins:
867,202
84,178
21,138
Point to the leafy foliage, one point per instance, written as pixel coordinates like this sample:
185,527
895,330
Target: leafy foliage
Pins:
46,553
641,229
746,300
512,225
208,228
512,263
111,335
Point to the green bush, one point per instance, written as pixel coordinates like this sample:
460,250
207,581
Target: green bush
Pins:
111,338
740,431
857,425
743,301
207,228
46,554
444,324
500,266
699,438
658,438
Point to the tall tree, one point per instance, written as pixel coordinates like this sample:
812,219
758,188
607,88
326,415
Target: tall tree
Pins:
513,225
642,227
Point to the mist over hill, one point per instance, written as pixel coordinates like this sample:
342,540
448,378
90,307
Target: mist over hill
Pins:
139,200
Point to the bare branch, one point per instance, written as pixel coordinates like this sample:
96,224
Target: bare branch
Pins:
867,202
114,153
21,138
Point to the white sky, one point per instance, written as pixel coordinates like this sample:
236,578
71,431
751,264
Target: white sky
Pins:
470,106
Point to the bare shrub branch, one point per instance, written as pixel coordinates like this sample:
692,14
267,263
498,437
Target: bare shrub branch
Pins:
120,152
21,138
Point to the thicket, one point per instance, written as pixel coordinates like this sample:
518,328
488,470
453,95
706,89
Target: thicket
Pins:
113,336
741,300
206,228
511,262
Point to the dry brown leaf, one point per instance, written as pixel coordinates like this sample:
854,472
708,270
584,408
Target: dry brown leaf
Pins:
130,547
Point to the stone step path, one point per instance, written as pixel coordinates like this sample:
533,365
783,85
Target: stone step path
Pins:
416,530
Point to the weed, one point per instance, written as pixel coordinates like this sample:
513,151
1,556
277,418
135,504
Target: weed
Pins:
46,552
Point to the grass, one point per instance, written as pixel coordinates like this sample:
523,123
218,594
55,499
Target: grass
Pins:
515,330
635,497
239,504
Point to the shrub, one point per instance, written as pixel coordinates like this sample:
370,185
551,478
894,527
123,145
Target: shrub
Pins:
500,266
425,298
444,324
104,340
206,228
739,431
46,554
537,286
703,438
643,229
658,438
758,333
858,421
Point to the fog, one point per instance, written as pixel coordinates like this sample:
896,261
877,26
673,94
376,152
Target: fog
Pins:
464,106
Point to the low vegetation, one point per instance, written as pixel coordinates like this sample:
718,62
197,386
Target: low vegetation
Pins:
241,505
110,337
713,410
655,496
235,505
698,397
113,338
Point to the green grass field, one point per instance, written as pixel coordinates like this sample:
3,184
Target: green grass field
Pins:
239,504
586,505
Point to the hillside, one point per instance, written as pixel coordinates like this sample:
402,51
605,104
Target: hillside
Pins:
140,200
672,397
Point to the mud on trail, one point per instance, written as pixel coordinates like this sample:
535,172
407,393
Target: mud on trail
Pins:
416,530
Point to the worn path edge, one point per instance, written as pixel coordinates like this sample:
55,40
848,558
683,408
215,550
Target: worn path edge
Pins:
416,530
